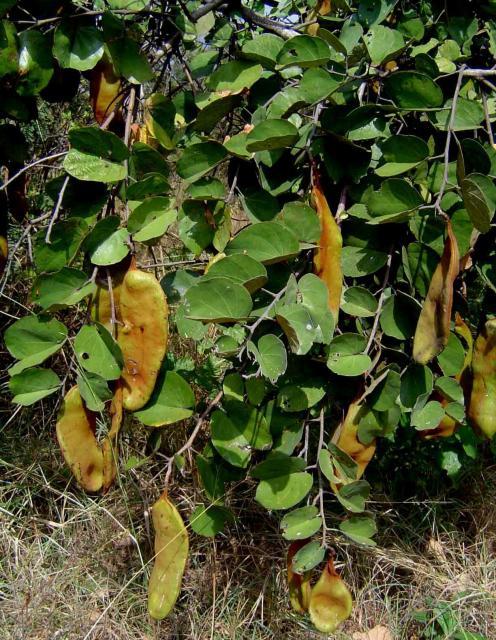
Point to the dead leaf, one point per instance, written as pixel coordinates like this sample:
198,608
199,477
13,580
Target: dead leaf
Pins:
377,633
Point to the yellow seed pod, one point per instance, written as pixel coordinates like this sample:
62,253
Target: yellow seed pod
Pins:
298,584
482,407
327,257
80,448
171,554
105,90
142,335
4,252
433,327
330,601
346,438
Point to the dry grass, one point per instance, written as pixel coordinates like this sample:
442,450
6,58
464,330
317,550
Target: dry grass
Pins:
75,567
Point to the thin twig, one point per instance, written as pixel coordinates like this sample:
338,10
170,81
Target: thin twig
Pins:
30,165
321,484
112,304
56,210
488,119
380,303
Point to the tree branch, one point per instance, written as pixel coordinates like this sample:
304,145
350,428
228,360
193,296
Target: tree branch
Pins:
267,23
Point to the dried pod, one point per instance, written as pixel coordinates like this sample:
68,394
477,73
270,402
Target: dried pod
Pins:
322,8
346,438
171,554
109,445
105,90
4,252
330,601
482,407
76,436
298,584
142,336
433,327
327,258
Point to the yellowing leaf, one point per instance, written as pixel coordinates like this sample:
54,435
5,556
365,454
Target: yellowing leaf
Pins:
327,258
432,333
330,601
171,554
482,407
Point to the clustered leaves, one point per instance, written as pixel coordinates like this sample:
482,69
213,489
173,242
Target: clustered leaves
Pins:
328,171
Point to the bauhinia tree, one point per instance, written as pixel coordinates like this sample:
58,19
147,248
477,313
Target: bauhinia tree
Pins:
325,173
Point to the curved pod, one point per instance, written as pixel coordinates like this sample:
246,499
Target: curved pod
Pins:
171,554
298,584
80,448
346,438
142,336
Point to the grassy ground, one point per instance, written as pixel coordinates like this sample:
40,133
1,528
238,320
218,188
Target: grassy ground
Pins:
75,567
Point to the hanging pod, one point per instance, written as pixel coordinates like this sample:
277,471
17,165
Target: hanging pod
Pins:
105,91
327,257
330,601
482,407
142,335
171,554
346,438
76,435
298,584
433,326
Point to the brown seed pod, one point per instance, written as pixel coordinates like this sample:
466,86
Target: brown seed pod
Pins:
105,91
433,327
330,601
482,407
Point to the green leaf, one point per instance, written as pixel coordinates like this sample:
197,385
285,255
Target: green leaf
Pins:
385,394
359,302
234,76
284,490
416,381
35,62
107,244
308,557
97,352
345,357
301,220
96,155
479,198
401,154
301,523
450,389
354,495
357,262
271,355
298,325
217,300
129,61
264,49
235,434
303,51
33,339
383,44
468,115
77,47
94,390
428,416
393,202
259,205
172,400
272,134
206,189
299,397
241,269
452,358
32,385
209,521
63,288
153,184
151,219
198,159
360,529
8,48
267,242
399,316
413,90
314,297
65,240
